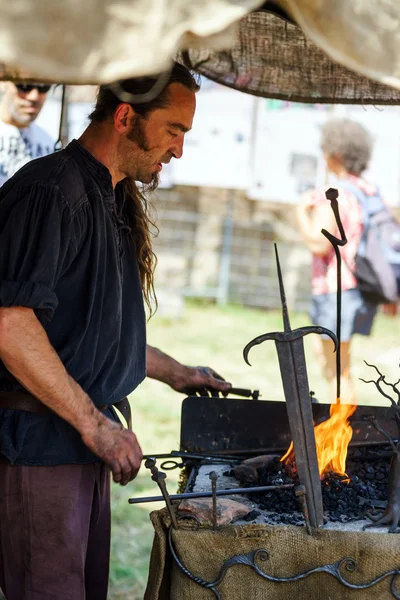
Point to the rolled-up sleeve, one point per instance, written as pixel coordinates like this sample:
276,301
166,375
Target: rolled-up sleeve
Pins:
36,243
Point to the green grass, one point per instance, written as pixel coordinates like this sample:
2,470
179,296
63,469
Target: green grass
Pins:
214,336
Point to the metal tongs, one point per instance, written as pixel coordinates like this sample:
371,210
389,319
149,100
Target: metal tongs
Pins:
171,463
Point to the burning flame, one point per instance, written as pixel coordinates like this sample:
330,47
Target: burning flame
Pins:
332,438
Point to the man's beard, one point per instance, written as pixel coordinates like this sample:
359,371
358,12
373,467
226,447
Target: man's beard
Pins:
137,134
150,187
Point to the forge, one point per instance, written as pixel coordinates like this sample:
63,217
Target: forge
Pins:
278,500
230,543
345,498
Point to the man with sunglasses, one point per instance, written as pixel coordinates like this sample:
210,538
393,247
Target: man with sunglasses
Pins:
21,140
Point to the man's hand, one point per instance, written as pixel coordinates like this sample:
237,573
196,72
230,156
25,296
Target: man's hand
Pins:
27,353
201,380
181,378
117,447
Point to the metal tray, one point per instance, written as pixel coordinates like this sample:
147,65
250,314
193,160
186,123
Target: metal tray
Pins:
215,425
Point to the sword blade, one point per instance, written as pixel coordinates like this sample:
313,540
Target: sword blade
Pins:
293,369
285,313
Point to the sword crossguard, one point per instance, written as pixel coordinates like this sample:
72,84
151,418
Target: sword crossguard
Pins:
289,336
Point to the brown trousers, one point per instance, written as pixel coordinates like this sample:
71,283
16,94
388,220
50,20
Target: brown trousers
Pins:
54,531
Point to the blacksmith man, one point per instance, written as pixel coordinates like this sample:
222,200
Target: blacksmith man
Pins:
75,265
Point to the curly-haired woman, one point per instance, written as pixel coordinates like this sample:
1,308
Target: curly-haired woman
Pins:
347,148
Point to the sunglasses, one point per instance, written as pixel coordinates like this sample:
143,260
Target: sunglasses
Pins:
25,88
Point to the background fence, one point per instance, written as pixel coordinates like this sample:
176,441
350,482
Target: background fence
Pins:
218,244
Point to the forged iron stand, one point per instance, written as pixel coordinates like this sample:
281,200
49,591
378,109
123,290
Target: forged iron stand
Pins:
391,515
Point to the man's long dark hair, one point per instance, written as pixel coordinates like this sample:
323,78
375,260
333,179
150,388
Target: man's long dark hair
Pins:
136,210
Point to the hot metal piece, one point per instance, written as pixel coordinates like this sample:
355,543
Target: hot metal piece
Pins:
159,477
213,476
189,495
292,363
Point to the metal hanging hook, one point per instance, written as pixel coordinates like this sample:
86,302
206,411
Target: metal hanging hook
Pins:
332,195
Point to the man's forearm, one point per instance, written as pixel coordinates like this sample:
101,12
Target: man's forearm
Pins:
27,353
164,368
184,379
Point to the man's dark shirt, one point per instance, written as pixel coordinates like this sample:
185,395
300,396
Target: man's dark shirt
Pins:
66,252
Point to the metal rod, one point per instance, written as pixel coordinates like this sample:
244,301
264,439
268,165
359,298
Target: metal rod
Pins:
159,477
255,394
277,451
301,493
63,123
332,196
189,495
193,456
213,476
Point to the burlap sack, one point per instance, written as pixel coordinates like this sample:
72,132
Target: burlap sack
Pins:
290,552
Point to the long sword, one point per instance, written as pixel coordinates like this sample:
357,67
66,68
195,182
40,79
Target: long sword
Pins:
292,363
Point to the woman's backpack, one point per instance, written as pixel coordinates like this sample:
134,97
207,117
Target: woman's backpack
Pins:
377,263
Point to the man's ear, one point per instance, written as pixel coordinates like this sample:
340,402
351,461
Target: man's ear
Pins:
122,117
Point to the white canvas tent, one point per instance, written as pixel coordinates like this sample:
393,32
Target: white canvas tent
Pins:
307,50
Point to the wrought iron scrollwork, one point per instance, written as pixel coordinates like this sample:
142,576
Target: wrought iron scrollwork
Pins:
251,559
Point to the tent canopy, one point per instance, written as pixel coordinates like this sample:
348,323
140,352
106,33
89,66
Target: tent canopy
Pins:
304,50
273,58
